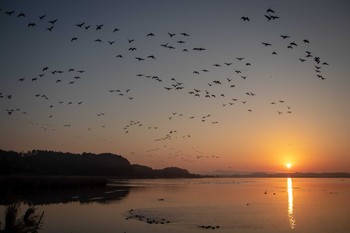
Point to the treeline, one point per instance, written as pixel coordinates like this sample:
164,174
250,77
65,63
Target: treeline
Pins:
42,162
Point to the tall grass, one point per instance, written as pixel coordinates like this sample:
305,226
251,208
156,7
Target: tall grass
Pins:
30,222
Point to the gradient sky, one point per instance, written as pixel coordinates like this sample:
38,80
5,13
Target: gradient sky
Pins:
237,136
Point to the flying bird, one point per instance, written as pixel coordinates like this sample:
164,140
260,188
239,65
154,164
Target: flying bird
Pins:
270,11
53,21
80,24
244,18
9,12
99,27
284,36
266,44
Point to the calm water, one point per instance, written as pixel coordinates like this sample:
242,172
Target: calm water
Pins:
227,205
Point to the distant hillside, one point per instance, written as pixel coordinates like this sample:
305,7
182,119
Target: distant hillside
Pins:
38,162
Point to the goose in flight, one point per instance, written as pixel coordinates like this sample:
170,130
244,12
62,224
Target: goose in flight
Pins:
99,27
199,49
9,12
266,44
53,21
244,18
268,17
80,24
270,11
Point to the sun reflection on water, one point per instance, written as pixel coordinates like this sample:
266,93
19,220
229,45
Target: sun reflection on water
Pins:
291,218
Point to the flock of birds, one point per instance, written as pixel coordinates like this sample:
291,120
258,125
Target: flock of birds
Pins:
216,89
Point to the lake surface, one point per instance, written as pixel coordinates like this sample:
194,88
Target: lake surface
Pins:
201,205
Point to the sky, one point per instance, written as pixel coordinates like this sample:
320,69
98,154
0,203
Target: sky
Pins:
162,83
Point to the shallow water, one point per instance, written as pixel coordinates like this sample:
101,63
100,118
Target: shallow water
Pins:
200,205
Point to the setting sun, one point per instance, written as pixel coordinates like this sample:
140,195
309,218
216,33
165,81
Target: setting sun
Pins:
288,165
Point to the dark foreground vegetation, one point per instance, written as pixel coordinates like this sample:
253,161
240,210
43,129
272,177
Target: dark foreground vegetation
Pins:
48,163
30,222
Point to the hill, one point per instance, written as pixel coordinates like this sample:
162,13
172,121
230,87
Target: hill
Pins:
40,162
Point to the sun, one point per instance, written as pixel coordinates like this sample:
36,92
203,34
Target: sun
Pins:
288,165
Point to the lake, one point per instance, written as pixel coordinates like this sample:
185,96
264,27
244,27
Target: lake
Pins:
199,205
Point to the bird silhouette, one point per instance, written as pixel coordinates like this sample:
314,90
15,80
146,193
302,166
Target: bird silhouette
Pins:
266,44
268,17
53,21
80,24
199,49
50,28
9,12
270,11
285,36
244,18
99,27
